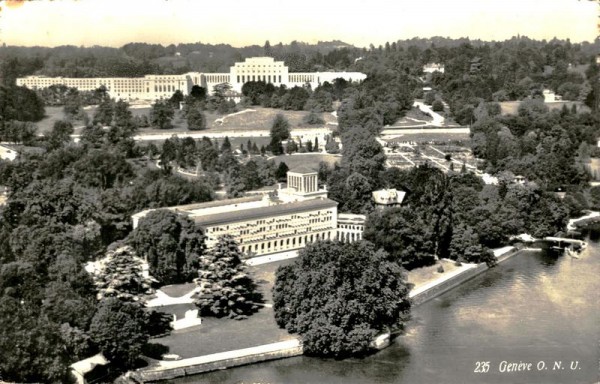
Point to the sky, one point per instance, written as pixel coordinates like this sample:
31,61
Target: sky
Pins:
246,22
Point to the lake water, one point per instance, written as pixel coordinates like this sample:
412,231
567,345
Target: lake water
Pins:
535,309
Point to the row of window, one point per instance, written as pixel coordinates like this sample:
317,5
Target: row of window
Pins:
265,78
353,227
279,234
285,243
276,65
277,222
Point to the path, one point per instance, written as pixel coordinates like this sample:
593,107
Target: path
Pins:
221,120
571,226
272,258
438,120
288,344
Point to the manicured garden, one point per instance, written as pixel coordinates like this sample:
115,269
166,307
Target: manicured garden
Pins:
220,335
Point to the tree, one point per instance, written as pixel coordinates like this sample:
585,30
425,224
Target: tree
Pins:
73,103
332,146
104,112
429,98
121,275
226,146
309,146
267,49
226,287
313,118
20,103
404,234
123,116
170,243
198,93
282,170
359,199
60,134
176,99
280,130
118,328
103,169
437,106
195,119
339,297
161,114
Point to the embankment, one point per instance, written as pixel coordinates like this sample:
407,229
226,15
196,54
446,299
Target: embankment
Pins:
167,370
460,278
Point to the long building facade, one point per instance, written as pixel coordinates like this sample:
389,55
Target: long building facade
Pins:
153,87
284,221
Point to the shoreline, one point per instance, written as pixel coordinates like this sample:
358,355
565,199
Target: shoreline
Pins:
167,370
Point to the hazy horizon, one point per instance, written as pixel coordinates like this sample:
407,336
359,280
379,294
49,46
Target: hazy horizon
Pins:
360,23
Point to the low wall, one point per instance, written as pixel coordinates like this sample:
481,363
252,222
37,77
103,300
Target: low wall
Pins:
459,279
152,375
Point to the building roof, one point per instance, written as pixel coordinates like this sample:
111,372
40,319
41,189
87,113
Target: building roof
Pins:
217,203
257,213
351,218
87,365
302,169
388,196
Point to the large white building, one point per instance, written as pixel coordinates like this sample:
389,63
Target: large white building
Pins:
152,87
287,220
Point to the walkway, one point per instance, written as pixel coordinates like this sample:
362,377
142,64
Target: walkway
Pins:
222,119
288,344
438,120
446,276
272,258
571,226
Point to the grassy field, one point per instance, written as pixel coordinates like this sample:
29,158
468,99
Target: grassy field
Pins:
310,160
52,114
255,118
220,335
424,275
260,118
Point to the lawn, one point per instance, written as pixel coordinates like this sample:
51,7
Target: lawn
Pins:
249,119
310,160
424,275
220,335
178,290
255,118
52,114
430,137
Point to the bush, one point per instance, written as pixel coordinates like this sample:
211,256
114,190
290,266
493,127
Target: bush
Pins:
438,106
313,118
440,269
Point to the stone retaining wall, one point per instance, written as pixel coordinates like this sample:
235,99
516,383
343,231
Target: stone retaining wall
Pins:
145,376
459,279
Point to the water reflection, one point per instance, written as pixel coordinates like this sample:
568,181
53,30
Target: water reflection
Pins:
536,307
